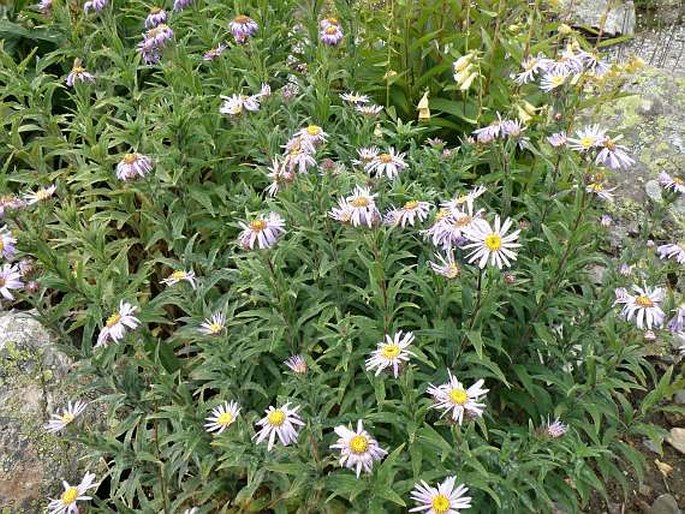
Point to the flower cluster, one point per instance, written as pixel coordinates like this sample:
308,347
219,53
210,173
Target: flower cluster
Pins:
154,42
330,31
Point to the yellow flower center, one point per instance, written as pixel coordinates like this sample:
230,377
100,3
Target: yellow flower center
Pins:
313,130
493,242
258,225
215,327
155,10
78,69
411,205
644,301
332,29
558,80
69,496
2,282
276,418
67,418
225,419
531,64
440,504
43,194
130,158
587,142
458,396
333,21
385,158
390,351
113,320
596,188
678,180
442,213
359,444
452,271
463,220
242,19
2,246
360,202
610,145
178,275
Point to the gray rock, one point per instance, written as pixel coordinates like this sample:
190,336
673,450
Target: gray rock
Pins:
651,446
676,438
653,190
620,15
680,397
664,504
32,379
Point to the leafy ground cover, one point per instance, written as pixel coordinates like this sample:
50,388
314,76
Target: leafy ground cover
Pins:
332,257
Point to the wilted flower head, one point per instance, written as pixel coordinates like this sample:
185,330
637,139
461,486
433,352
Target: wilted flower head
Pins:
279,422
215,52
235,104
44,6
531,65
58,421
677,323
606,220
555,429
296,364
156,17
368,110
66,504
355,98
179,5
392,352
79,74
446,265
94,5
243,27
445,499
133,165
358,450
454,399
120,322
262,231
41,195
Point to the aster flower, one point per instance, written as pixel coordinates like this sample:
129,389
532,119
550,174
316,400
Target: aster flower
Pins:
331,35
458,202
154,41
555,429
644,307
355,98
7,243
290,91
10,278
44,6
263,231
675,184
606,221
621,296
391,352
235,104
491,245
180,275
454,399
389,164
280,176
674,251
408,213
361,207
243,28
94,5
446,265
450,225
599,189
296,364
9,202
551,81
369,110
215,52
222,417
329,22
532,65
58,421
587,138
298,157
613,155
512,128
214,325
133,165
358,450
569,62
557,139
593,63
41,195
310,137
366,155
279,422
79,74
156,17
179,5
66,504
445,499
118,324
677,323
487,134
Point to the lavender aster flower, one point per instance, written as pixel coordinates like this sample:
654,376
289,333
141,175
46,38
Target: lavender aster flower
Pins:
45,6
243,28
331,35
156,17
94,5
674,251
133,165
120,322
10,278
556,428
7,243
215,52
675,184
677,323
263,232
557,139
613,155
179,5
79,74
